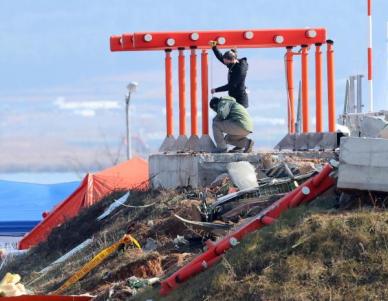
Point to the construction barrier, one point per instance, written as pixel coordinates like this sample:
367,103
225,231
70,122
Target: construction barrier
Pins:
47,298
303,194
96,261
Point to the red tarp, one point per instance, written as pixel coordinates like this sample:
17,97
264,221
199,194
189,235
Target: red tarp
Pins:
92,189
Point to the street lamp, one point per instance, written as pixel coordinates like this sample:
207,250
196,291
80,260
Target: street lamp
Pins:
131,87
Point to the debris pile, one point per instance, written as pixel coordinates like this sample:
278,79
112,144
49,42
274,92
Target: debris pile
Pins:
170,228
10,286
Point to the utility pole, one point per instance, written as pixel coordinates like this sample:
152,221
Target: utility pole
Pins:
370,65
131,88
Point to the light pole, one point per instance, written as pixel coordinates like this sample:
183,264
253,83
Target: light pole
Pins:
131,88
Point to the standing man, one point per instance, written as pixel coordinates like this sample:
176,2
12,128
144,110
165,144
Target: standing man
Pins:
237,73
233,120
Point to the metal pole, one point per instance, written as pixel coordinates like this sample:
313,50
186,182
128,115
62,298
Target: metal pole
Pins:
359,93
305,90
169,94
182,92
290,86
205,92
352,96
346,102
331,85
370,71
193,93
129,140
318,88
299,110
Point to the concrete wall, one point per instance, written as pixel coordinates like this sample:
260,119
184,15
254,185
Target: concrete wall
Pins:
365,124
196,170
363,164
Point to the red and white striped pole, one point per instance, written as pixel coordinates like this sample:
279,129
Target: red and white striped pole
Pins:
370,82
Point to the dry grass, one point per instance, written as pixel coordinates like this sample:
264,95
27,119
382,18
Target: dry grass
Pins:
308,255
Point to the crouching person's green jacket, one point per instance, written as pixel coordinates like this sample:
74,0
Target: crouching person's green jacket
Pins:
229,109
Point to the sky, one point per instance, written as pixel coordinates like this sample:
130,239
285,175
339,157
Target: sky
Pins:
62,90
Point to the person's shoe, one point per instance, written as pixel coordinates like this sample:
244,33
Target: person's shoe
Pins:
220,150
236,150
249,147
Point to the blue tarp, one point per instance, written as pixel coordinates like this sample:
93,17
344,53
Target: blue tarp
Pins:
27,201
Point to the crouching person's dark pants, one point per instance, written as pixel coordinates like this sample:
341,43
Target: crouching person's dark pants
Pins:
235,134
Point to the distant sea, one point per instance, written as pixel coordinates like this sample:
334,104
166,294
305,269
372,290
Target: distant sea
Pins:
41,177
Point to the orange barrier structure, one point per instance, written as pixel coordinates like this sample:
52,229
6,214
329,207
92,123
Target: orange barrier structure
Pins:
205,91
94,187
318,88
253,38
47,298
305,90
182,92
193,93
331,85
169,96
290,88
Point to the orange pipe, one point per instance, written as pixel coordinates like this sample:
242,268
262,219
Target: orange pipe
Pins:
193,93
318,88
370,71
182,92
331,85
205,92
169,95
305,89
290,87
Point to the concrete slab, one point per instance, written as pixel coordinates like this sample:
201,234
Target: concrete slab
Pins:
287,142
363,164
310,141
193,144
181,143
170,171
365,124
168,144
206,144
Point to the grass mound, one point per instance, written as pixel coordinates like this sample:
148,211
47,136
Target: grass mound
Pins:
307,255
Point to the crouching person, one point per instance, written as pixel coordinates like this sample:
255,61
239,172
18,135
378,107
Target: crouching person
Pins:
231,126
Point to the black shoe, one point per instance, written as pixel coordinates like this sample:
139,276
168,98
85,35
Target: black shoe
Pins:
220,150
249,147
236,150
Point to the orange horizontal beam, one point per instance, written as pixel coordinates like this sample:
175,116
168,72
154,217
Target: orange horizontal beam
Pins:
251,38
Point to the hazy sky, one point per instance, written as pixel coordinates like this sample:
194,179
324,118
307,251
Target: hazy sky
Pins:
55,54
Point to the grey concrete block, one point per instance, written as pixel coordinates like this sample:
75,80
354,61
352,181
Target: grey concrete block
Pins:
287,142
196,170
309,141
363,164
365,124
181,143
173,170
168,144
206,144
193,144
301,142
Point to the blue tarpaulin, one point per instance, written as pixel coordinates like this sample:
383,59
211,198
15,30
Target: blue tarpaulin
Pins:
27,201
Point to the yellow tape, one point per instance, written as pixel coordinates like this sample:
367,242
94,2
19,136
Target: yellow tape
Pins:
95,261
